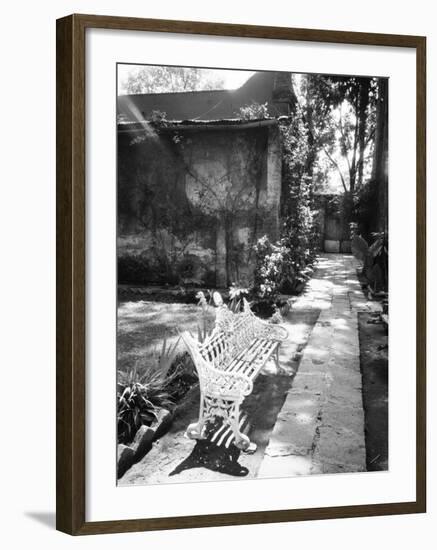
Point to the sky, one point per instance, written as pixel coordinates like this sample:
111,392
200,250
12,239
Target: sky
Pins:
232,78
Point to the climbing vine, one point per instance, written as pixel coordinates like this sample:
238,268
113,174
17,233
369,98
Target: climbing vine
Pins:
285,266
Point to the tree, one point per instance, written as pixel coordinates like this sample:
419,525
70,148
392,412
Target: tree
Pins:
380,156
158,79
345,119
343,124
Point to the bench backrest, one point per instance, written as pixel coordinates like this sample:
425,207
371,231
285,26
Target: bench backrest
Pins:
233,333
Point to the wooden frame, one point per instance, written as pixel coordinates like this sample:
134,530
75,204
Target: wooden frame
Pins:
70,204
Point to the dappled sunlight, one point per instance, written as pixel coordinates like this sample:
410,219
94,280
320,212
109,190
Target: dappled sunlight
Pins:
316,352
138,117
341,324
304,418
302,403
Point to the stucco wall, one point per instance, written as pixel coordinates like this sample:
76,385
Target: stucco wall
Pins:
333,226
192,202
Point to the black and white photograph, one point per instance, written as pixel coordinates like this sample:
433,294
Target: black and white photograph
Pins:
252,274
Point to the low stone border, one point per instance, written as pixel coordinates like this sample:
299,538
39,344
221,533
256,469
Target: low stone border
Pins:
128,455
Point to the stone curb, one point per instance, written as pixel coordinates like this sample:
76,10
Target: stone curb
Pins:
128,455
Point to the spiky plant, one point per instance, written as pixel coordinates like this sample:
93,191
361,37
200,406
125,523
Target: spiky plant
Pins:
141,394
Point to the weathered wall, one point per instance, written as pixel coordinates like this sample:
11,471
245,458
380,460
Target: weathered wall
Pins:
191,203
333,226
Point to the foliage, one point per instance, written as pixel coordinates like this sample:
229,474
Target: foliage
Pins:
342,116
138,398
253,111
270,260
341,112
374,258
299,234
286,265
165,357
157,117
365,212
159,79
236,295
140,394
183,376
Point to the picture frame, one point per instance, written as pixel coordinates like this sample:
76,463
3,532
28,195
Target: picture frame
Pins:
71,203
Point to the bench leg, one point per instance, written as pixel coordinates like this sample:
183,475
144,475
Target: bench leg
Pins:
241,440
195,430
276,357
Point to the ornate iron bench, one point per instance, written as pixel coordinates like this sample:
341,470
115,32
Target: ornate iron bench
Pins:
227,362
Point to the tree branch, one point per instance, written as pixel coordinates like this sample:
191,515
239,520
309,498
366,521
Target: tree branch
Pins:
334,162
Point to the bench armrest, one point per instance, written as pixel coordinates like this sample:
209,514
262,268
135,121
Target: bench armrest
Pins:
264,329
213,380
273,332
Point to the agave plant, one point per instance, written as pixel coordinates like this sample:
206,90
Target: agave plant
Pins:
141,394
166,356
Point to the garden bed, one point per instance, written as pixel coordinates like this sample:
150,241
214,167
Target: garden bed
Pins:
374,369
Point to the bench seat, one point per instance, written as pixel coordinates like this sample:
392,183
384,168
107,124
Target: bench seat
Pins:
227,362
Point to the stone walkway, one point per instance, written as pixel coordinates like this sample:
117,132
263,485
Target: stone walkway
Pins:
320,428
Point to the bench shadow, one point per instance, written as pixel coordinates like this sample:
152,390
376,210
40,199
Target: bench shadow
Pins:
206,454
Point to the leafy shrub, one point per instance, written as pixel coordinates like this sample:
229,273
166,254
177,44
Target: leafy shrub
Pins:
374,259
253,111
183,376
157,116
285,266
269,268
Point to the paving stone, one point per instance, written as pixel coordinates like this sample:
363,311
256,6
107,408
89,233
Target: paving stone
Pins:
293,433
313,382
321,426
286,466
340,446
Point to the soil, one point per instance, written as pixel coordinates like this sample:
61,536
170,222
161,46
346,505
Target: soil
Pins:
374,368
